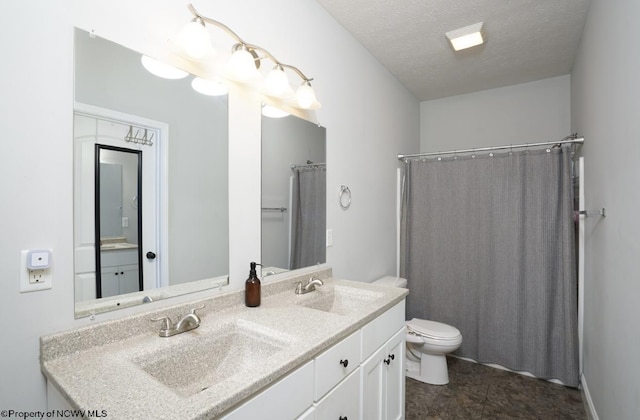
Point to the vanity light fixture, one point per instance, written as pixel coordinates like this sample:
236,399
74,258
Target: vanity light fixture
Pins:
245,61
466,37
277,82
305,95
194,39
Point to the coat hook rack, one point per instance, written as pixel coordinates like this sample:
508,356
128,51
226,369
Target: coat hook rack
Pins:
136,138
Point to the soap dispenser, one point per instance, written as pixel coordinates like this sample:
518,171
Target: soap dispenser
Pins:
252,288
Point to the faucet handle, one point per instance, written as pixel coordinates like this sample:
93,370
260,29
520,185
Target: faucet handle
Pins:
166,322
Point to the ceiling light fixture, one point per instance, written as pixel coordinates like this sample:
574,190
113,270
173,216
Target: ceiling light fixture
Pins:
466,37
245,62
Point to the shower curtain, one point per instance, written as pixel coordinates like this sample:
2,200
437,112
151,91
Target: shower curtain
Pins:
308,216
488,247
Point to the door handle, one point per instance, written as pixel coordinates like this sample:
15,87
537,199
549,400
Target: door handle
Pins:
151,255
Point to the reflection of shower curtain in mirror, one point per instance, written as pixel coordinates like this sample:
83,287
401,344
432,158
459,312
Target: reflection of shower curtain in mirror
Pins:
308,216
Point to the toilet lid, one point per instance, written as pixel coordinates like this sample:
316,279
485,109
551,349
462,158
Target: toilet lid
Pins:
432,329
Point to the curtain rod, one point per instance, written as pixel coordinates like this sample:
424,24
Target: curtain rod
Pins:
578,140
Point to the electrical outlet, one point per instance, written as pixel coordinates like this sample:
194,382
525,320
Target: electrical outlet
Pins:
32,280
36,276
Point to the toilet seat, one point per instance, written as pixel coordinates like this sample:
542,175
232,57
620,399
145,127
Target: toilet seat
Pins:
433,331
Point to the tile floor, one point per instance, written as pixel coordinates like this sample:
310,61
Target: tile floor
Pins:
480,392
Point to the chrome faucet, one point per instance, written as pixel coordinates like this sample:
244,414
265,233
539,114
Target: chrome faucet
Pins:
188,322
309,287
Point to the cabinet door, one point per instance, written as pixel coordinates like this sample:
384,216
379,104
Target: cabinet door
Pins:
373,386
129,279
109,280
395,376
342,402
383,381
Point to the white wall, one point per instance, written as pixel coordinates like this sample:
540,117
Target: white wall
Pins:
524,113
369,117
605,98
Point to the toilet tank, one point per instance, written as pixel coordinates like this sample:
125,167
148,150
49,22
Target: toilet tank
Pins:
391,281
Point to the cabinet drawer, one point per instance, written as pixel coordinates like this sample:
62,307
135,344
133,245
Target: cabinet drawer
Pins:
119,257
343,402
330,365
378,331
295,387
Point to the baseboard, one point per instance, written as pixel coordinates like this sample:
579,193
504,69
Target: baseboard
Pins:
586,398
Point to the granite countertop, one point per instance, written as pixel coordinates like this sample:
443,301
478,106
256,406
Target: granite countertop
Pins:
126,369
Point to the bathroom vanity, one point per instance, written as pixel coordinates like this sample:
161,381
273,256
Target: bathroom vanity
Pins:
336,352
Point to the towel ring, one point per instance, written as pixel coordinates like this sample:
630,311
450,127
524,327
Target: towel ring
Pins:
345,197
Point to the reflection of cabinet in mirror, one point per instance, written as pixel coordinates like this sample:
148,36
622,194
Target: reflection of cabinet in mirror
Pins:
294,180
119,272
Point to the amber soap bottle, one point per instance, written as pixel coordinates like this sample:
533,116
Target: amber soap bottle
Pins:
252,288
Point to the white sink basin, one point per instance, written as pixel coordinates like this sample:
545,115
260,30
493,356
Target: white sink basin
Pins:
191,363
338,300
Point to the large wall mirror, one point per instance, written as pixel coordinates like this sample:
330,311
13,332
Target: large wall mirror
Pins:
150,182
294,177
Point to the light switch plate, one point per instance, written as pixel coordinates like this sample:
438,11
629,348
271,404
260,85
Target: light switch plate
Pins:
33,280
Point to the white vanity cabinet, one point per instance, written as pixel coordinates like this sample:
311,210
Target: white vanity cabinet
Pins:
284,360
349,381
119,273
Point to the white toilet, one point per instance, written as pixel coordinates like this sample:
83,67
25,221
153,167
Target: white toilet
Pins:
428,342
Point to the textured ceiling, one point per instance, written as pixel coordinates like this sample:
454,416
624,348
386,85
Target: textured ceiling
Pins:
527,40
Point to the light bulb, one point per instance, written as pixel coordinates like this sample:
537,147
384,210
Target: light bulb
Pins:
194,39
242,64
160,69
208,87
305,95
273,112
277,83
